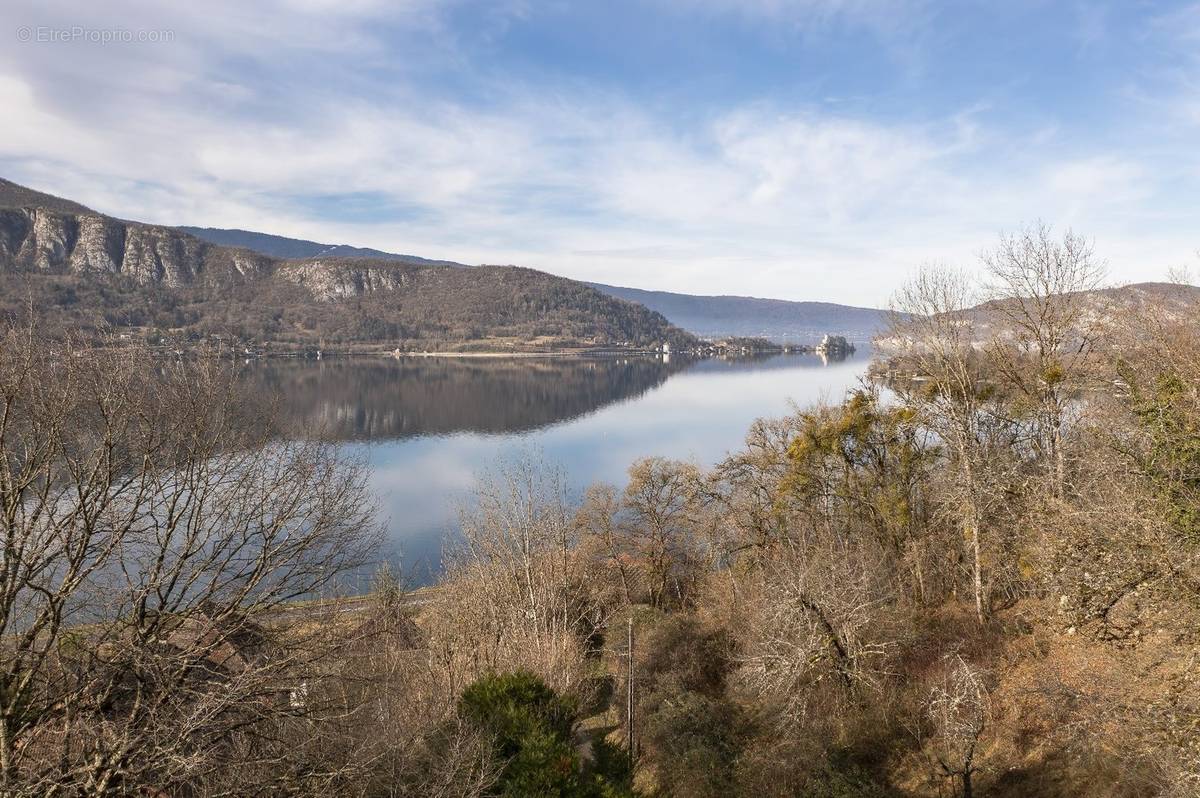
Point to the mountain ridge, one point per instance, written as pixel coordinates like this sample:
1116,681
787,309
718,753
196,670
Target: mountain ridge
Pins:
88,271
710,316
784,320
14,195
298,248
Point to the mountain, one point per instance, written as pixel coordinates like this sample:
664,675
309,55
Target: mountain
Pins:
45,235
281,247
707,316
775,319
88,272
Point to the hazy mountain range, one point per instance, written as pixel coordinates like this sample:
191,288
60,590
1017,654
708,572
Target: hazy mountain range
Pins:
777,319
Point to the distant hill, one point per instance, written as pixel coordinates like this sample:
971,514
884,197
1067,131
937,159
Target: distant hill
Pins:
88,272
706,316
1107,313
775,319
1107,307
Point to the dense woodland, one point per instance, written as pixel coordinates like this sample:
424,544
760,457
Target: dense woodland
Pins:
979,575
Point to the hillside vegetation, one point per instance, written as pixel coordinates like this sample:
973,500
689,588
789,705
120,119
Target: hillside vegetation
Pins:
706,316
90,273
985,583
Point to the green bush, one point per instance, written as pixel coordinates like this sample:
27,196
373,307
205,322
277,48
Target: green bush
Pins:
531,730
610,774
531,727
695,740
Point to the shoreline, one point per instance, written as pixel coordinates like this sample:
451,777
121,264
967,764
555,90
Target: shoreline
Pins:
478,355
552,353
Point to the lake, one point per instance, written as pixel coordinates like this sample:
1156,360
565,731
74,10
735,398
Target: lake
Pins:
429,426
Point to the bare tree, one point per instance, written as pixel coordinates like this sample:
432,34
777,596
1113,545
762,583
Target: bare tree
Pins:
387,724
600,522
664,501
957,712
1180,275
750,491
816,635
150,531
933,328
1047,322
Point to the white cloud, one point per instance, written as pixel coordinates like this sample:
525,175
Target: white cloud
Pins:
1101,179
758,198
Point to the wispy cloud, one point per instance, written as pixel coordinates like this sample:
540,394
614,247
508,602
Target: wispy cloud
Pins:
388,125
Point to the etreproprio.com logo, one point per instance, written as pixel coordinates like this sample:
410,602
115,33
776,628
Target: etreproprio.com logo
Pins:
48,34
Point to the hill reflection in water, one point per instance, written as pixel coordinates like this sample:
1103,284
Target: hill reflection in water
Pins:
382,399
430,427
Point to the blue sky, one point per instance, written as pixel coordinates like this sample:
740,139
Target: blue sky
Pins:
802,149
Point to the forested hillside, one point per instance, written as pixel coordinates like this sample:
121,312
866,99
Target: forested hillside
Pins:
778,320
94,274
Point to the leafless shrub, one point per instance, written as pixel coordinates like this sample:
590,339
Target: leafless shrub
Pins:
519,597
816,637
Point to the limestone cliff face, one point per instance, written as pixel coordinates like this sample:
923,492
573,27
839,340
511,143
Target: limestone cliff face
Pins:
44,234
51,241
339,279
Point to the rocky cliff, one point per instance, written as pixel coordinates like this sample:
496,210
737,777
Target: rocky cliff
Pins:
57,242
330,279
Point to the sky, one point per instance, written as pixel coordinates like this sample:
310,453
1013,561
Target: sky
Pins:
799,149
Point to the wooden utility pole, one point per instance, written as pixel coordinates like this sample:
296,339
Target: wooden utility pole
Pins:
629,700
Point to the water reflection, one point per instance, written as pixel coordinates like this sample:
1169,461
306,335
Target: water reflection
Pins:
379,399
430,426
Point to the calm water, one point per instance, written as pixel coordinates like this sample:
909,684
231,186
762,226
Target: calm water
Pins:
429,427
